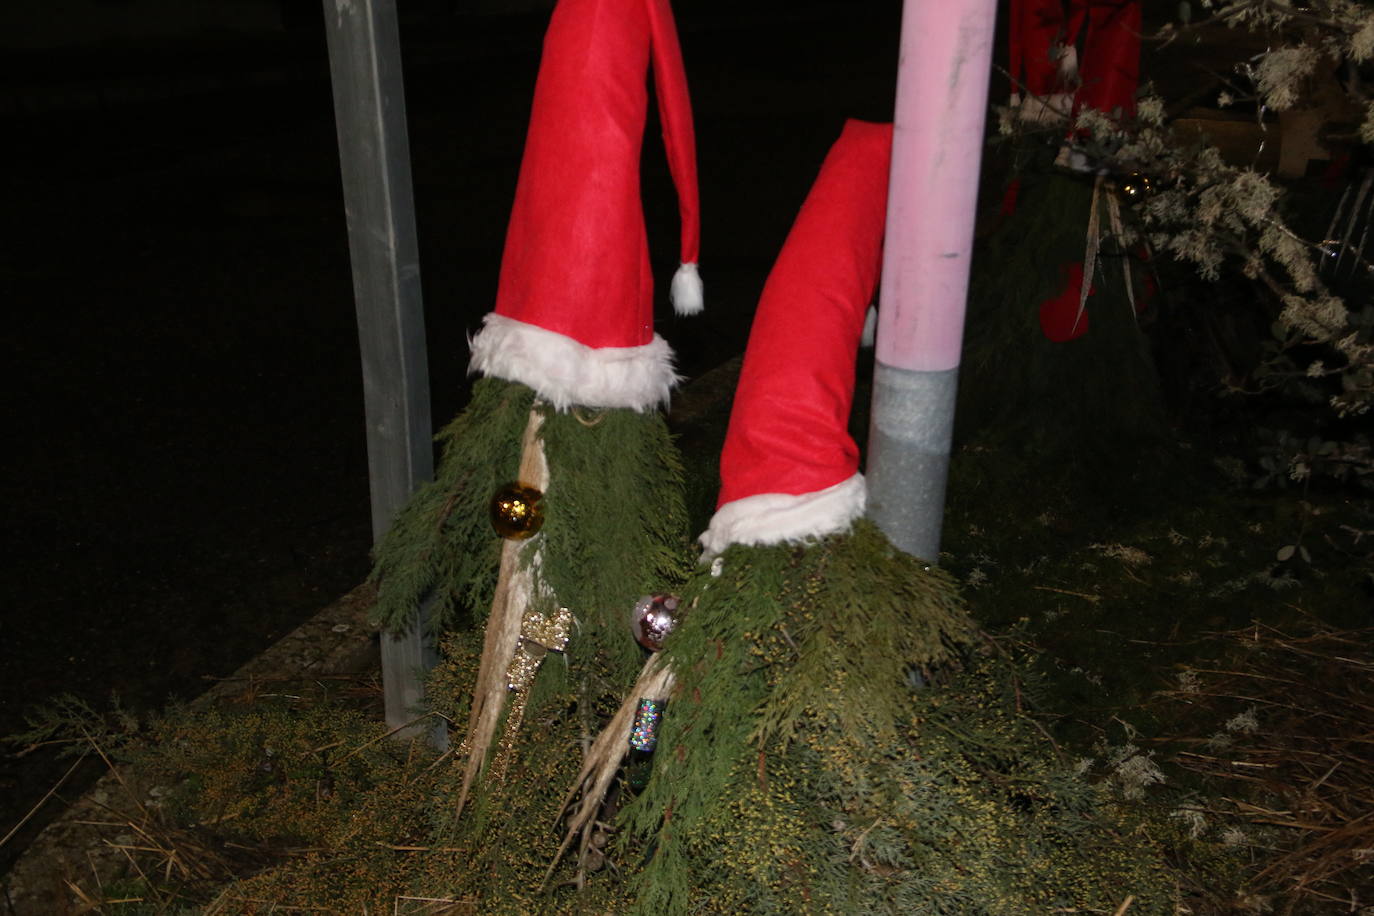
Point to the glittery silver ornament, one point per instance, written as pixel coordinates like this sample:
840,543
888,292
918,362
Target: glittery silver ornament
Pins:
653,619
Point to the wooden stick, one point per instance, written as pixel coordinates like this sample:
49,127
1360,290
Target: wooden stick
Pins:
602,761
515,586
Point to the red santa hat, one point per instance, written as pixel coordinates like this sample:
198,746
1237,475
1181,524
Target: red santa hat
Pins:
790,470
574,308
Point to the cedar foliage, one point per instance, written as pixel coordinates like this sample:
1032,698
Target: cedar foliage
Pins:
615,522
441,547
615,526
799,769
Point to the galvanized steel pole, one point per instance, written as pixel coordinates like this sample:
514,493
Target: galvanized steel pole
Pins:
369,109
942,87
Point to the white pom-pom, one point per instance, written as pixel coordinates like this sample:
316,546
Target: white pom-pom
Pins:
686,290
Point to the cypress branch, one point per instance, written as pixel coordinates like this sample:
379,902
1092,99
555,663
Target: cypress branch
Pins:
441,548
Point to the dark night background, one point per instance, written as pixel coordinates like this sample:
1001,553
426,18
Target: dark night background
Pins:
185,477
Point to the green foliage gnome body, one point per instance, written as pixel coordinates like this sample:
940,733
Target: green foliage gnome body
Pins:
792,659
562,442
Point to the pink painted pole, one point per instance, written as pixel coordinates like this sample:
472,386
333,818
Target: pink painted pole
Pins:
942,86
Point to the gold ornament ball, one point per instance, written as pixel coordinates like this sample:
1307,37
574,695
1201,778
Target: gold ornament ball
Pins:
516,513
1136,186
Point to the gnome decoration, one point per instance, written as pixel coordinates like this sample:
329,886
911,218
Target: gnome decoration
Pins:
799,608
558,501
1051,83
796,738
1055,362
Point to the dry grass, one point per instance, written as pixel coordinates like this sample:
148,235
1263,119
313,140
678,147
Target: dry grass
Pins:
1295,760
120,851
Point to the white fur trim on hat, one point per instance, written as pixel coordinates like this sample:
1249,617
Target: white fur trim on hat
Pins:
686,291
773,518
566,373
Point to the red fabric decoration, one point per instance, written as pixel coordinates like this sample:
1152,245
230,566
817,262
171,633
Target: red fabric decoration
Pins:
1336,171
788,437
1109,72
1059,316
1037,26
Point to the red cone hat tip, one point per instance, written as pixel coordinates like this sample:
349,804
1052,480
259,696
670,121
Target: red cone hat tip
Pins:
776,518
566,373
686,291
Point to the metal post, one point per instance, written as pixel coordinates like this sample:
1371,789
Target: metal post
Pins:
369,109
942,86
